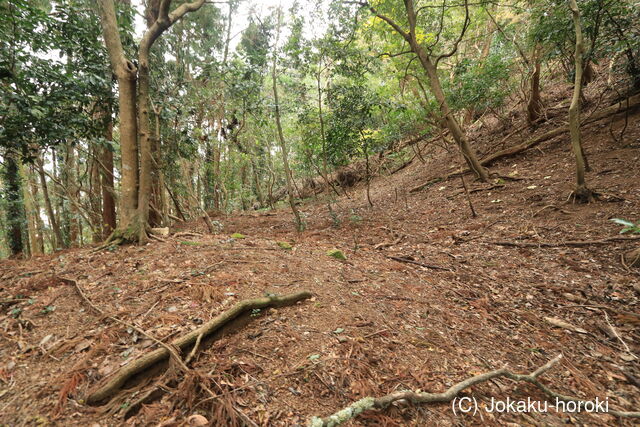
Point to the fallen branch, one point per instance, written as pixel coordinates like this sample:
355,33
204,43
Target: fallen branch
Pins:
573,243
355,409
136,366
410,261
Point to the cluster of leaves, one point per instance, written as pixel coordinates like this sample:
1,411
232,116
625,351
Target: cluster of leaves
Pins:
629,227
53,68
480,84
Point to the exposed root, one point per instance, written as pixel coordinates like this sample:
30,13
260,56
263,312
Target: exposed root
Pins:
632,259
355,409
583,195
112,385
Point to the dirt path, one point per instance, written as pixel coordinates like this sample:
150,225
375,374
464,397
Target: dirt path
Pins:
375,324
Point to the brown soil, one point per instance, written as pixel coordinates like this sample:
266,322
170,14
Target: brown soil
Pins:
375,325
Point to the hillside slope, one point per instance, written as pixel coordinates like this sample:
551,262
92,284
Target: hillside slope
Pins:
374,325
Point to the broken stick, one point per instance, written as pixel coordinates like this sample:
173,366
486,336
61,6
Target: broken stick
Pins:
112,385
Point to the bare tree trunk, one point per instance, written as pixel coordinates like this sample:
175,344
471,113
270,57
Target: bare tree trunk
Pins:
134,112
283,146
35,246
534,106
581,193
452,124
95,193
58,241
72,192
36,207
106,184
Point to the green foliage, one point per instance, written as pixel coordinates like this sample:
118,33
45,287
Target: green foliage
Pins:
337,254
629,227
480,84
54,66
285,246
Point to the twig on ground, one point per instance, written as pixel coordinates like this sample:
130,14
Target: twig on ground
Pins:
574,243
410,261
615,333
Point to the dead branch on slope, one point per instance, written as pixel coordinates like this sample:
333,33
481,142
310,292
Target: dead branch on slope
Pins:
620,107
355,409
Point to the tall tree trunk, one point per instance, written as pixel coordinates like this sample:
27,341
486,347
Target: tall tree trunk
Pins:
71,186
534,106
35,248
581,192
36,207
429,64
157,214
15,207
106,184
58,241
95,214
452,124
256,182
136,178
281,140
146,165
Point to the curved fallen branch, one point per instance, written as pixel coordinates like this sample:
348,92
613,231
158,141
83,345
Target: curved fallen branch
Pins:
383,402
112,385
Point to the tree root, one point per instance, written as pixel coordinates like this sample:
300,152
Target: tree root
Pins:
583,195
112,385
383,402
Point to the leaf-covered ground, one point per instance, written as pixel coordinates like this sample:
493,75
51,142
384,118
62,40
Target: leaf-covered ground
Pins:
374,325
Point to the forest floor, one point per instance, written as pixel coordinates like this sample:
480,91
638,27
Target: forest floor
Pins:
374,325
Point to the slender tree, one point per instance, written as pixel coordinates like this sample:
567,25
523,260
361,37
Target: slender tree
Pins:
280,133
429,62
581,193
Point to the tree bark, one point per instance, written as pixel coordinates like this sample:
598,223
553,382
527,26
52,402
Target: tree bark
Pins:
36,207
72,192
429,65
35,241
134,112
581,192
534,106
15,206
106,184
58,241
281,140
